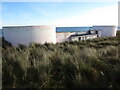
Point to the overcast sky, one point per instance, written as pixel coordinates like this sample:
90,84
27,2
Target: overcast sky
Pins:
60,13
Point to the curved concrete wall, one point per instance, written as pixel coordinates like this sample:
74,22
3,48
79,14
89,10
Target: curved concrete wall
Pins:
106,30
63,36
28,34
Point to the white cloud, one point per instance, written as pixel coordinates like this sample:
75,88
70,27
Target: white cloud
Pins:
98,16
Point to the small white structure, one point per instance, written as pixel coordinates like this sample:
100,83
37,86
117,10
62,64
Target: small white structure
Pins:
82,37
105,30
91,34
28,34
68,36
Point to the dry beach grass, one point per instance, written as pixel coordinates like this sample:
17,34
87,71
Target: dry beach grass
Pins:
84,64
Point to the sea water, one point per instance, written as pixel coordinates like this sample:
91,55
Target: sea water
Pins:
72,29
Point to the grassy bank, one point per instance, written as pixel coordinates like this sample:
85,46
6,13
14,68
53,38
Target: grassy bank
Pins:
84,64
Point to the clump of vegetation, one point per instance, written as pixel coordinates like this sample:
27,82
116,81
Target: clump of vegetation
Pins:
84,64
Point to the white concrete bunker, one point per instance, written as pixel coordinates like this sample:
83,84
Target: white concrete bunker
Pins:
42,34
29,34
106,30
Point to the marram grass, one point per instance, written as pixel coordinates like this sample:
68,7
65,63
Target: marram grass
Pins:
84,64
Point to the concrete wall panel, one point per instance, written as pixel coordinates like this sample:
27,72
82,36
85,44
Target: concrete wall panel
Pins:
29,34
106,30
63,36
